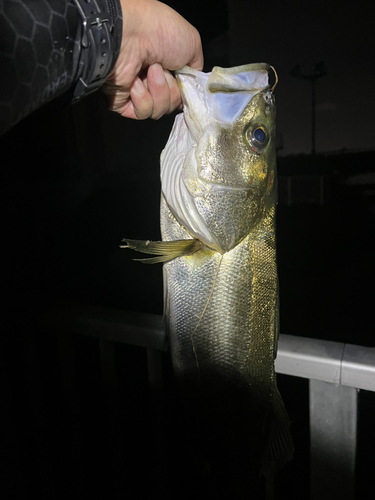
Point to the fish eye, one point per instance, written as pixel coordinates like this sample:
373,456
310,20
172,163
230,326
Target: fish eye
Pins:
259,135
257,138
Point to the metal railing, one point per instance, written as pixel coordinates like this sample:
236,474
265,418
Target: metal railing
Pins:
336,372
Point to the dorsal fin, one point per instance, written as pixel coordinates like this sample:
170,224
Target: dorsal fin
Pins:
166,250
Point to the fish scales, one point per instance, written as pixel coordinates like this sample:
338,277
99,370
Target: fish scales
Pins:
225,372
218,205
243,298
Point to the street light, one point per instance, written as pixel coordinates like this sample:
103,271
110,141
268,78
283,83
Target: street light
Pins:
319,72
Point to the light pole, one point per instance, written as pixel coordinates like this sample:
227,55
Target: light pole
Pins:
319,71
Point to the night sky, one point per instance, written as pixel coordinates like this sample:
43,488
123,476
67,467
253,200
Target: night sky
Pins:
290,32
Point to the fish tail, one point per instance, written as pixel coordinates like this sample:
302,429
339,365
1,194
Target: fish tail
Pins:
279,447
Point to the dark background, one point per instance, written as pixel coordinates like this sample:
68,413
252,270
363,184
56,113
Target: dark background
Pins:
76,180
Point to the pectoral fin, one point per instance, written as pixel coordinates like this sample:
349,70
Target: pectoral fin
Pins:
166,250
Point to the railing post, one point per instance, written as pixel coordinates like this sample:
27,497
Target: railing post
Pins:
333,436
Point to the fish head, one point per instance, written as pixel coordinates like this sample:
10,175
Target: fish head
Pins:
218,169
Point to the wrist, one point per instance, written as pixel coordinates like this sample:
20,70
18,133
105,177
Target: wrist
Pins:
134,40
100,43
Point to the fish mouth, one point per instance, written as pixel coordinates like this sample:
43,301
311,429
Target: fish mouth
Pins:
221,95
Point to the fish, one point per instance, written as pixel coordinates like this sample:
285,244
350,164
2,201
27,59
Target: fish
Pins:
218,248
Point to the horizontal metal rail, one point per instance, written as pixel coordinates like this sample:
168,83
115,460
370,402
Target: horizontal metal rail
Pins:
333,362
127,327
335,371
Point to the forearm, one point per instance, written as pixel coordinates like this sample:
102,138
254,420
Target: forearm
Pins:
40,54
51,47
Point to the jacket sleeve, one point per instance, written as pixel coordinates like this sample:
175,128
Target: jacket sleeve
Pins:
40,47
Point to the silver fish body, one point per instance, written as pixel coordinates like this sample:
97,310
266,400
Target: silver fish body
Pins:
221,303
219,195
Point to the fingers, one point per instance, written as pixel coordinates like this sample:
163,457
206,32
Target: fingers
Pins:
175,96
141,103
153,97
159,90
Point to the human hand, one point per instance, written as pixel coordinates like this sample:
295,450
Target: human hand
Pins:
155,41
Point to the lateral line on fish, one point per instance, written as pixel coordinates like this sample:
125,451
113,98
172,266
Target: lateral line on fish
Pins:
204,310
